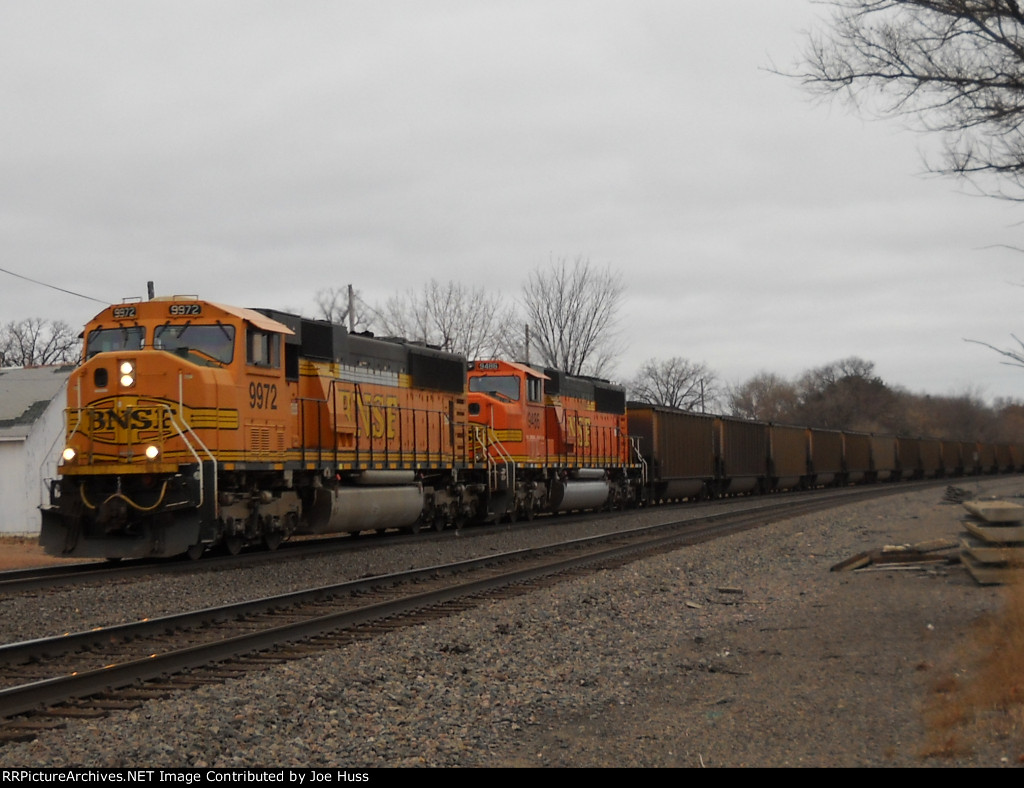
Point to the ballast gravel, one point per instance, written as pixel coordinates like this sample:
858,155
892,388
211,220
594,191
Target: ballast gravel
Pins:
744,651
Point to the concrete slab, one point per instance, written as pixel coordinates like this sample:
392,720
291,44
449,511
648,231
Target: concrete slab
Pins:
995,534
996,511
987,554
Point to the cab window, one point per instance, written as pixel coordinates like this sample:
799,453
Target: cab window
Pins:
102,340
263,348
500,386
535,389
199,342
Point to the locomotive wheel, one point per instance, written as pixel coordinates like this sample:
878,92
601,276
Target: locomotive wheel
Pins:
195,552
233,544
273,540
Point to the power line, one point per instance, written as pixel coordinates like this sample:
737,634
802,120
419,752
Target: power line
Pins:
53,287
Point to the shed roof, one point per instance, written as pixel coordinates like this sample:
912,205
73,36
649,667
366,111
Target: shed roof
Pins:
25,394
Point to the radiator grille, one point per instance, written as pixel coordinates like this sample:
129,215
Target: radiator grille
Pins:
259,440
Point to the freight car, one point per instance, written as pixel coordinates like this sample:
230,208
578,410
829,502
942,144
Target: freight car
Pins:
690,455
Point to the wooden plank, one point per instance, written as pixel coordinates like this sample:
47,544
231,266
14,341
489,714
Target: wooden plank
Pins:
922,552
854,562
912,567
933,545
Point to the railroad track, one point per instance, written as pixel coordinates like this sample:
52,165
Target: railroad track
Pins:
73,574
91,673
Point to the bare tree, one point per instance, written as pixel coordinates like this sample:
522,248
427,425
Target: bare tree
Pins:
764,397
1016,356
37,342
572,310
676,383
955,67
1010,420
462,320
846,394
344,306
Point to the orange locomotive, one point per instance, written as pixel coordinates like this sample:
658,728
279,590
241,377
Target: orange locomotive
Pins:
553,442
192,424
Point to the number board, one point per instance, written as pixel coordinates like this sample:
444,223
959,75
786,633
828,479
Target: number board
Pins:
185,310
123,312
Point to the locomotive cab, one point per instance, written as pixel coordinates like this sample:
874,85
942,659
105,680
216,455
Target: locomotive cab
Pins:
170,393
508,400
506,407
553,442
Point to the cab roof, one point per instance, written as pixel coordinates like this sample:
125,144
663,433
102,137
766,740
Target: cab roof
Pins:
505,365
258,319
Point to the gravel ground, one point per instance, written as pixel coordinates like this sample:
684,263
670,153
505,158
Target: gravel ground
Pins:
746,651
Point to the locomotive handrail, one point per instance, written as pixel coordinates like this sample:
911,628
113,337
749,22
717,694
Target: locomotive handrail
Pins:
394,448
486,445
357,398
634,443
78,422
191,448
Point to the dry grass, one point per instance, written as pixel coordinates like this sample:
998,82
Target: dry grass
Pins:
982,700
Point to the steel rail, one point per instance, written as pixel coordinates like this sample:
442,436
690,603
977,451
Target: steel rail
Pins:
42,578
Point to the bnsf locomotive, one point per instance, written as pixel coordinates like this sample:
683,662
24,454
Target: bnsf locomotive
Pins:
193,425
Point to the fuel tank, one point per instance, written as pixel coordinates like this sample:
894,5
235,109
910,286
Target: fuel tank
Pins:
577,495
354,509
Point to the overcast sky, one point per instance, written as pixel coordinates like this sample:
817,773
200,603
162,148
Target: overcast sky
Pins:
255,153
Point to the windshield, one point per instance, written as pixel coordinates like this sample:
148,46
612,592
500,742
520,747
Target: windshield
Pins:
102,340
211,343
501,386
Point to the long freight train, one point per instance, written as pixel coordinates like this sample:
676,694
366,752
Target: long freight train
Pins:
193,425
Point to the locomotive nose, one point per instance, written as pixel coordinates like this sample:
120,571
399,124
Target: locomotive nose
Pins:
113,513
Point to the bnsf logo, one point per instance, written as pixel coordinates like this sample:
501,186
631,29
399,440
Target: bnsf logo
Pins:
134,419
378,414
126,420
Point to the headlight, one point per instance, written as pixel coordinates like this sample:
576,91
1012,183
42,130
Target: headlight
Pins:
152,452
127,374
68,454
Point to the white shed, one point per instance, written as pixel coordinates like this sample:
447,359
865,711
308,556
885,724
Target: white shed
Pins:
32,402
